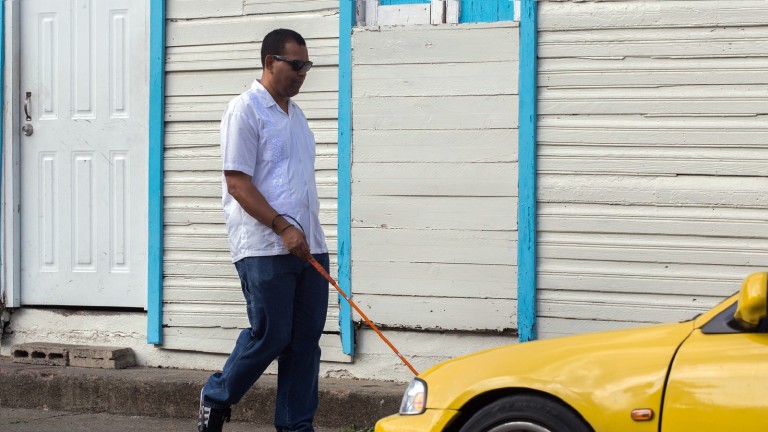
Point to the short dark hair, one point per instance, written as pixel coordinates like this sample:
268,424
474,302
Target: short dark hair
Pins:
274,42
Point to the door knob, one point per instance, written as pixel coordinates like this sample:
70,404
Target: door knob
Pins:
27,129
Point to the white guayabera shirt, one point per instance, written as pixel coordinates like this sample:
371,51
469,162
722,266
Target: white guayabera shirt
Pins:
278,151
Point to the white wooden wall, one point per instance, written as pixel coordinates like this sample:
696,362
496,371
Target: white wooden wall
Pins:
653,157
213,54
434,176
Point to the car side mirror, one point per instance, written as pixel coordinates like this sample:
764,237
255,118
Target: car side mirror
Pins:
752,304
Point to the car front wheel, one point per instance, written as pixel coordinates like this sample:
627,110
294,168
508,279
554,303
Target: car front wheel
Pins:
525,413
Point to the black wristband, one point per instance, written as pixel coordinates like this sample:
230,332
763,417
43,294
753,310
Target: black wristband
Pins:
273,223
286,216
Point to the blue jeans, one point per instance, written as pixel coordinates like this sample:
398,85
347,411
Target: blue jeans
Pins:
287,302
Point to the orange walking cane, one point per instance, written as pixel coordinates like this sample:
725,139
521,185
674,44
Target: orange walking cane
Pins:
325,274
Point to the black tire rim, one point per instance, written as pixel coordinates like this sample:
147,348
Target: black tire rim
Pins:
518,426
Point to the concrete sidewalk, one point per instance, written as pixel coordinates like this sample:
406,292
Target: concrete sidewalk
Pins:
29,420
173,394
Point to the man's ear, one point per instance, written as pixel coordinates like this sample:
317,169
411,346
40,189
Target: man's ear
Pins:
268,62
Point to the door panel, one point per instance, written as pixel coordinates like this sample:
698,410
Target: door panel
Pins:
83,169
718,382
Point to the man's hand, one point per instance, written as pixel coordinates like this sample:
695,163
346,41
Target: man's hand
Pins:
296,242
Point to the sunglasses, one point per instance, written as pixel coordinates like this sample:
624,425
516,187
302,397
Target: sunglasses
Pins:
296,65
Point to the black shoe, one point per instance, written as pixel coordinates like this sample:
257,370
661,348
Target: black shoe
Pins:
211,419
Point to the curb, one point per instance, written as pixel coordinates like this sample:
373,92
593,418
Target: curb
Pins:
174,393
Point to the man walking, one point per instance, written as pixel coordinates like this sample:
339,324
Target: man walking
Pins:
272,214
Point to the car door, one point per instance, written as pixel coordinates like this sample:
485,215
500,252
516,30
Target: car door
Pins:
718,381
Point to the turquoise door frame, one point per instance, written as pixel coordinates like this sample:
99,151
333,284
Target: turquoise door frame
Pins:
155,155
526,270
156,136
526,183
344,196
155,169
2,116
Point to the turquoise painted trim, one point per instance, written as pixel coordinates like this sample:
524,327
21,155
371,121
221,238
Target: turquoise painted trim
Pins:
2,116
344,223
526,214
155,168
2,105
474,11
399,2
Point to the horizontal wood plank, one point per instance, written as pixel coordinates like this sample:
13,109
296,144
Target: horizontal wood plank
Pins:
711,100
424,279
190,263
560,16
651,43
435,246
436,179
439,313
249,28
206,133
209,159
648,160
258,7
713,221
233,82
209,238
435,212
203,189
656,278
653,131
244,55
319,106
187,211
435,80
435,146
652,248
634,308
495,42
221,341
193,9
693,191
419,113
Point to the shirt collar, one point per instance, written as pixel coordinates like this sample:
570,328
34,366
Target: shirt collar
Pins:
264,95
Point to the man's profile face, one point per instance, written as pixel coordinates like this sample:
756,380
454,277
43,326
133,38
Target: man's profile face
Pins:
286,81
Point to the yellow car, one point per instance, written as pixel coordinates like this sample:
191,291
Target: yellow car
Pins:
708,374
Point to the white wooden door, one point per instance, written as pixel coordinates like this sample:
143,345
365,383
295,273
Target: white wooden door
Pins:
84,168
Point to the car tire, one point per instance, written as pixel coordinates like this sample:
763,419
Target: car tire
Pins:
525,413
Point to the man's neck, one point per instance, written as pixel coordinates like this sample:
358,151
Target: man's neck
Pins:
281,102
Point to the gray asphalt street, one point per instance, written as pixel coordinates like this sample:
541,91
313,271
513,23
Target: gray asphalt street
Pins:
28,420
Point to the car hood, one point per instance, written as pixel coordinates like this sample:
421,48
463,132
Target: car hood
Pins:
602,375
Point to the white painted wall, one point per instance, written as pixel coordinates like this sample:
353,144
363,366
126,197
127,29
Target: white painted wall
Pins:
209,61
652,204
434,178
652,148
213,54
